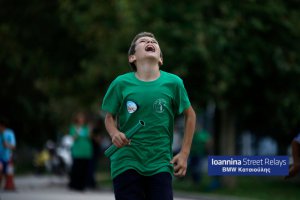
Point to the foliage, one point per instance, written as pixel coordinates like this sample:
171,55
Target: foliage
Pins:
59,56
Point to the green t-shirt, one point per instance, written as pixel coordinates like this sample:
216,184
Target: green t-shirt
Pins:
156,103
82,147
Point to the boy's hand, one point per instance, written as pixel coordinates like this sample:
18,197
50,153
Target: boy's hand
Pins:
180,164
119,139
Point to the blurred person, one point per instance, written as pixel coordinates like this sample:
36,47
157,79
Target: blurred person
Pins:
81,153
52,164
96,149
41,160
201,145
64,152
50,159
295,167
7,146
143,167
267,146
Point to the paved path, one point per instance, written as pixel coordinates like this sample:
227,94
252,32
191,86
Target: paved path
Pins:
54,188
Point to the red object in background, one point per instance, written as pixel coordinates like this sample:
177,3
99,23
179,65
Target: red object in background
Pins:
9,177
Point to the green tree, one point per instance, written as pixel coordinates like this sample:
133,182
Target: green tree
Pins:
40,69
59,57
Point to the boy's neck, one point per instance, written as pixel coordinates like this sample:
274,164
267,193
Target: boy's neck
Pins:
147,73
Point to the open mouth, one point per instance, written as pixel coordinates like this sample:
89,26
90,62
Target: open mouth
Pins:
150,48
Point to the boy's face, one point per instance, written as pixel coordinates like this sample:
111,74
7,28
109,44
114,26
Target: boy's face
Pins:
145,48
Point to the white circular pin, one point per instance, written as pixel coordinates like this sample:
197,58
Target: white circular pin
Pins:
131,106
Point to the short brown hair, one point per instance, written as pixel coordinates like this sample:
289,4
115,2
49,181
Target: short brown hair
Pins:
131,50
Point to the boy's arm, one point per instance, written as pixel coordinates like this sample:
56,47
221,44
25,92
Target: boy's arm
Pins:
118,138
180,160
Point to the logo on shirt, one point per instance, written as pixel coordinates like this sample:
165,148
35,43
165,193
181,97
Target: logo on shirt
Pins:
131,106
159,105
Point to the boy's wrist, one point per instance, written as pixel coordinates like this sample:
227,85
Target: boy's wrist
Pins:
112,134
185,153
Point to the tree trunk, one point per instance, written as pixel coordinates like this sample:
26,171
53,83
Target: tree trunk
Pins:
227,141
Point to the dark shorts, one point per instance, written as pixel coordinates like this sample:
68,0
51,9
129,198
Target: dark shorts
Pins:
130,185
4,166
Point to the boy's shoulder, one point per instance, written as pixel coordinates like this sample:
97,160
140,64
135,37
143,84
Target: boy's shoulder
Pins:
165,76
171,76
123,77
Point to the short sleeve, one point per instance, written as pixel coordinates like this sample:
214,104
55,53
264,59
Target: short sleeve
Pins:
182,98
112,101
11,138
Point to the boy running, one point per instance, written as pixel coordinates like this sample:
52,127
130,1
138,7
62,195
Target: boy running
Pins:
142,168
